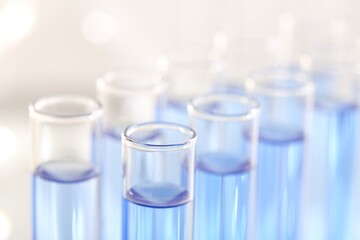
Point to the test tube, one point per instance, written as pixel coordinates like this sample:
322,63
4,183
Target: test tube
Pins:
128,96
189,74
158,161
334,67
65,134
285,97
227,129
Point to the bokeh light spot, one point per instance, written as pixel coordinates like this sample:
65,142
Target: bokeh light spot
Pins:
16,21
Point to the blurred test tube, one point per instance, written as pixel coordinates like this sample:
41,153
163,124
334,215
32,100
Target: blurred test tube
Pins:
128,96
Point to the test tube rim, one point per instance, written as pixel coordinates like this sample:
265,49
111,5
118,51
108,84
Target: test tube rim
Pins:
255,82
254,107
36,113
130,142
157,85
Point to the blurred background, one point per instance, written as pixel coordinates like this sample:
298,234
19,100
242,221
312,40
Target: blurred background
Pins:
49,47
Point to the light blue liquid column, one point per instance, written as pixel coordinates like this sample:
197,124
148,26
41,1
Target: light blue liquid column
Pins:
352,231
127,96
187,69
285,97
158,160
335,126
66,135
227,128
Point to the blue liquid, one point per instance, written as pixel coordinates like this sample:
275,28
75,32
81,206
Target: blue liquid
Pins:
176,112
332,163
228,87
222,192
65,201
111,187
157,212
280,162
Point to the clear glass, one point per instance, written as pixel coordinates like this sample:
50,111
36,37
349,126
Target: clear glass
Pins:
227,129
128,96
65,134
335,69
189,73
285,97
158,180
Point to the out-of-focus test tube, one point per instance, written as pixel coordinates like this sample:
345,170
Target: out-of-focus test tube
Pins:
65,134
233,62
189,74
158,160
285,97
128,96
227,128
334,69
235,57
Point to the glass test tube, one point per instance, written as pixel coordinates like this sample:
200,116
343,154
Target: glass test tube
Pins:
128,96
227,128
189,74
285,97
158,161
65,131
334,69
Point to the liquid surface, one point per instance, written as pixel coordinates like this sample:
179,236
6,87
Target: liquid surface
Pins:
66,171
280,162
222,192
157,211
65,201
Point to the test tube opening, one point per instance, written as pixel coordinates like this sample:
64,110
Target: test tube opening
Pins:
131,81
159,136
123,92
65,107
280,82
223,107
227,130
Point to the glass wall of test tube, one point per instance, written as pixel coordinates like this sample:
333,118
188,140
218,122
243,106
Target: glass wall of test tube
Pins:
285,96
128,96
227,128
158,162
335,70
65,135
